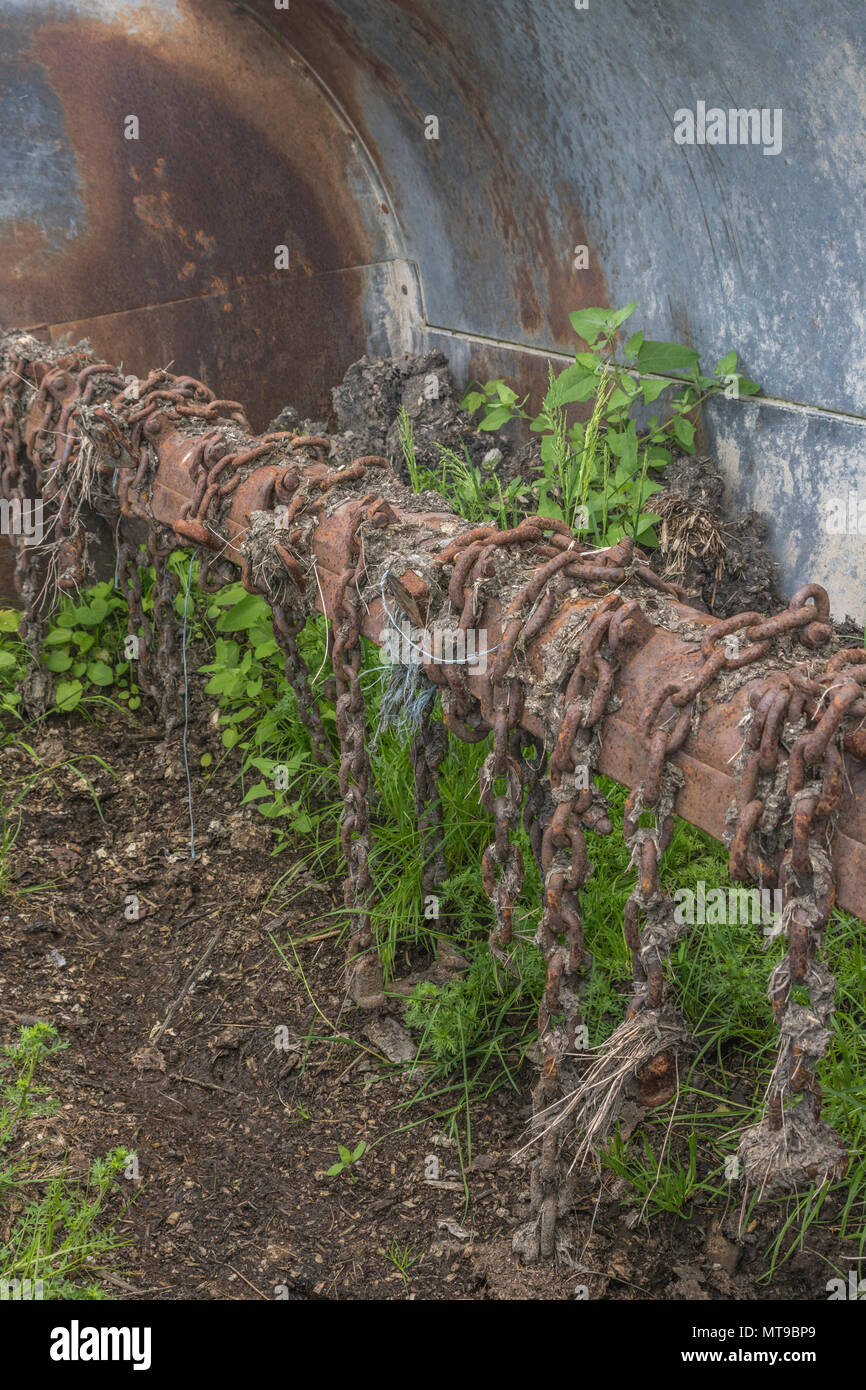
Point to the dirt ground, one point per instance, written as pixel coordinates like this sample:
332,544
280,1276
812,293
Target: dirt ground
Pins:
233,1134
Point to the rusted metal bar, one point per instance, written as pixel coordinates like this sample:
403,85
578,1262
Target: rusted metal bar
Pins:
705,758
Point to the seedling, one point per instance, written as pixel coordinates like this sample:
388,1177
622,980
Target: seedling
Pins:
346,1160
403,1257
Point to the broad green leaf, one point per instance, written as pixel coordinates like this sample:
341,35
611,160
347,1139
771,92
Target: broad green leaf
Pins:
249,611
238,714
618,400
626,449
7,661
684,433
230,595
496,418
589,324
68,695
573,384
57,661
727,364
622,314
264,765
9,620
225,683
547,506
652,388
257,792
658,457
666,357
100,673
92,614
633,345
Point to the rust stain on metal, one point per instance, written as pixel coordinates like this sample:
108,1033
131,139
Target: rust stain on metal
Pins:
232,160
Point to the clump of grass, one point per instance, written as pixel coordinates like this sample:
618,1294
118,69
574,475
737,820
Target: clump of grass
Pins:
406,433
56,1241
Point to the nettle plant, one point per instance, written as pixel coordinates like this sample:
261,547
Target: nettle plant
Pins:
596,474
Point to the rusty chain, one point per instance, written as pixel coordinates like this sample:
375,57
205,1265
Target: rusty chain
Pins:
366,977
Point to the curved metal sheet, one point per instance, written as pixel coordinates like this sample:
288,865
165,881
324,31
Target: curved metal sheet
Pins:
164,247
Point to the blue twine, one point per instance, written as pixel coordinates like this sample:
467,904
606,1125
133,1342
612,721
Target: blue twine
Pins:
116,533
186,709
407,695
117,554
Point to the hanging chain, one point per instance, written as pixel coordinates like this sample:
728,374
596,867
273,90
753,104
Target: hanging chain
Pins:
366,976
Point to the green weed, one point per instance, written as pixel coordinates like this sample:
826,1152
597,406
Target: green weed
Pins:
56,1244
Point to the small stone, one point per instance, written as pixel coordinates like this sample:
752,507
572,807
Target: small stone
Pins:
392,1039
721,1251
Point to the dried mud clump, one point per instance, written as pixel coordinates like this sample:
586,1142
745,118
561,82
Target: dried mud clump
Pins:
722,558
367,406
